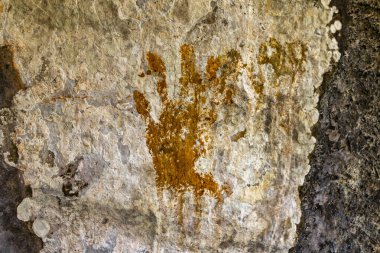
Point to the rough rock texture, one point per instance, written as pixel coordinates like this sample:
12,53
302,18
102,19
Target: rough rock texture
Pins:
165,126
341,194
14,234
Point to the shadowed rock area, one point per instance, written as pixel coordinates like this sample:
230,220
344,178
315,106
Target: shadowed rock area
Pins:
341,194
15,235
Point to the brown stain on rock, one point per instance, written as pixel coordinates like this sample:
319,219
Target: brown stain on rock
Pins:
238,135
181,11
178,139
10,84
279,93
10,80
286,60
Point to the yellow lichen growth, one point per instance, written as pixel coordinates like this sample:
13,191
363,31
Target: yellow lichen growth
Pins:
175,141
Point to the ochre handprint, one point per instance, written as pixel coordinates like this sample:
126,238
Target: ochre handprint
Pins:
180,136
286,60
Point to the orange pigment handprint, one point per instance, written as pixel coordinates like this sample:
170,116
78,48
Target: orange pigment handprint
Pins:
180,137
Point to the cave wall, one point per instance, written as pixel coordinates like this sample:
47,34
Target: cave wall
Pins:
15,236
171,126
341,193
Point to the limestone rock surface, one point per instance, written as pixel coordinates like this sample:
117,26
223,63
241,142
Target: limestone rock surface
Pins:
166,126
